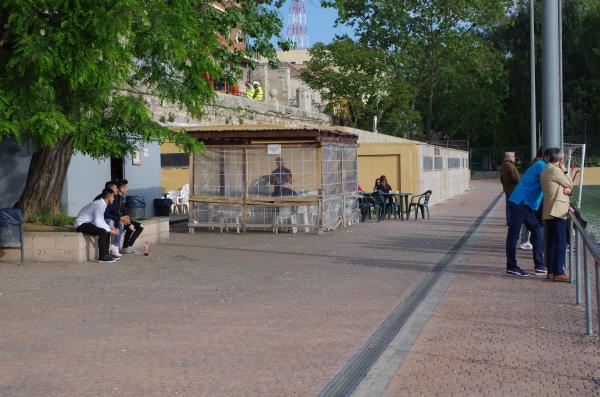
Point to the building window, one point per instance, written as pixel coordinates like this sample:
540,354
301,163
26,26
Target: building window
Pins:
453,162
427,163
174,160
439,163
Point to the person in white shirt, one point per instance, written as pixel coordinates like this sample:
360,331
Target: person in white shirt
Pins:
90,220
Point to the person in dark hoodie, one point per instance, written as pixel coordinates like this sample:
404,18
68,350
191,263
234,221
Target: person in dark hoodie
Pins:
118,209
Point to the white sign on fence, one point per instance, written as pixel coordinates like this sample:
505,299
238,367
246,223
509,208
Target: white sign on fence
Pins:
274,149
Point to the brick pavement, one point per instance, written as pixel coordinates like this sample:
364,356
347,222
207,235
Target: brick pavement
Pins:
216,315
493,335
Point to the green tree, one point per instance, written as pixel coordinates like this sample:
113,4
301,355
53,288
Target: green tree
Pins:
430,44
351,77
581,71
66,66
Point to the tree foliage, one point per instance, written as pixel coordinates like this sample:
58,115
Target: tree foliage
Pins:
581,70
66,66
349,76
441,53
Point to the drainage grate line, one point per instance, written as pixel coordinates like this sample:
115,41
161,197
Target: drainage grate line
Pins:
350,376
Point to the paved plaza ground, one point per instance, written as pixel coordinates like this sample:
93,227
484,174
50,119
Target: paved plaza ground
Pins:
280,315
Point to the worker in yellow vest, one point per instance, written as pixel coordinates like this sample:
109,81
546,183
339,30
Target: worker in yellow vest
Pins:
249,90
258,92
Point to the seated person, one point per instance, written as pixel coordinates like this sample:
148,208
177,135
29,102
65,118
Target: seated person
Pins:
279,177
90,220
113,220
384,185
386,188
377,185
119,209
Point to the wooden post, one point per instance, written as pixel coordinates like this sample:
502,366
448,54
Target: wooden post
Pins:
245,198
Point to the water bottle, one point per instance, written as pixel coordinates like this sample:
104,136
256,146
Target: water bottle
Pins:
146,249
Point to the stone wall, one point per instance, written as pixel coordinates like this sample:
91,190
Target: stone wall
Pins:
229,109
75,247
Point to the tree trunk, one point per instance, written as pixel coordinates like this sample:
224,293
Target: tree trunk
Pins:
46,178
430,112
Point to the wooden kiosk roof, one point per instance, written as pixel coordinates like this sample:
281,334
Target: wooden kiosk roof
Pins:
265,133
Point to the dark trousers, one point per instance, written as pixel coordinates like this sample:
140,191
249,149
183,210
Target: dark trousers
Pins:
103,236
520,214
557,245
131,236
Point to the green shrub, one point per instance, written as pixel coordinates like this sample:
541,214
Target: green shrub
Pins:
48,219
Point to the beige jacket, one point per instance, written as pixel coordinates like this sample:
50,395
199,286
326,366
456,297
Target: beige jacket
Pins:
556,203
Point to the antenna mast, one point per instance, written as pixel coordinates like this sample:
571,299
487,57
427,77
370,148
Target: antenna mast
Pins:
297,30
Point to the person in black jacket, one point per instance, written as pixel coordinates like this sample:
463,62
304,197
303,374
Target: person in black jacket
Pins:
119,208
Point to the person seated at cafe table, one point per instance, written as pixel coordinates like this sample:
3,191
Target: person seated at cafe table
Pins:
385,186
377,185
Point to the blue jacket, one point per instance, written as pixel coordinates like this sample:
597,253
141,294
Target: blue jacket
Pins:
529,188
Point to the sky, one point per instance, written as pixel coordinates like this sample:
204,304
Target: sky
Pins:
319,20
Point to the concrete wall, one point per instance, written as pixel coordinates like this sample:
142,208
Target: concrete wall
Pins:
279,79
14,166
144,179
85,180
397,161
444,182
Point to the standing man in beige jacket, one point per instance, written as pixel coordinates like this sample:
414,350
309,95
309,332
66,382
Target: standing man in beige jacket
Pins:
557,189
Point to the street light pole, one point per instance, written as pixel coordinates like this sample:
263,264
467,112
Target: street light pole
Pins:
532,77
550,74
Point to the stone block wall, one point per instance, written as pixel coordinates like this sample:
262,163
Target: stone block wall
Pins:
229,109
76,247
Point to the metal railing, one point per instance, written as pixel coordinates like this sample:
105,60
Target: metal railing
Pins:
586,245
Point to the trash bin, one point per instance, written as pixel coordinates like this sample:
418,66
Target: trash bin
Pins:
162,206
11,229
136,206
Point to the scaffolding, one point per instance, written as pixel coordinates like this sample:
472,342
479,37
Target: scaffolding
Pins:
279,179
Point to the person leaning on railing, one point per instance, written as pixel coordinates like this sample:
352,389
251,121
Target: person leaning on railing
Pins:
523,203
557,188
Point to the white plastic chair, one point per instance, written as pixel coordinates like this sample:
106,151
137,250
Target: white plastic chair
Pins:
183,201
173,195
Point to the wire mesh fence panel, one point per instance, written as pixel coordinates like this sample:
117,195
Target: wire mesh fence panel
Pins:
258,187
215,214
350,178
292,172
339,184
219,172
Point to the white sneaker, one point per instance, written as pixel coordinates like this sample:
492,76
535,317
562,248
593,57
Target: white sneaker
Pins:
114,251
131,251
526,246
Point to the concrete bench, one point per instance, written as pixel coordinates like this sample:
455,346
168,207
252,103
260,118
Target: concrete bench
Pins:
77,247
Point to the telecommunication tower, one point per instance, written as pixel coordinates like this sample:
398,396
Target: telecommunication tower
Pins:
297,30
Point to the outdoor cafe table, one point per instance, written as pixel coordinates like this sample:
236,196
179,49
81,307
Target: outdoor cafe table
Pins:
401,200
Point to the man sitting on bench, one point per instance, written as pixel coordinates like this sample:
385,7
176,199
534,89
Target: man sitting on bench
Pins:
119,208
90,220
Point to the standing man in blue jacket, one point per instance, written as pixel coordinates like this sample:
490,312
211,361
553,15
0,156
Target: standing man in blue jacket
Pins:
523,203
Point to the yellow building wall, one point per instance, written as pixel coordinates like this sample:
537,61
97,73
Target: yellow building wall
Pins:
173,178
397,161
591,176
